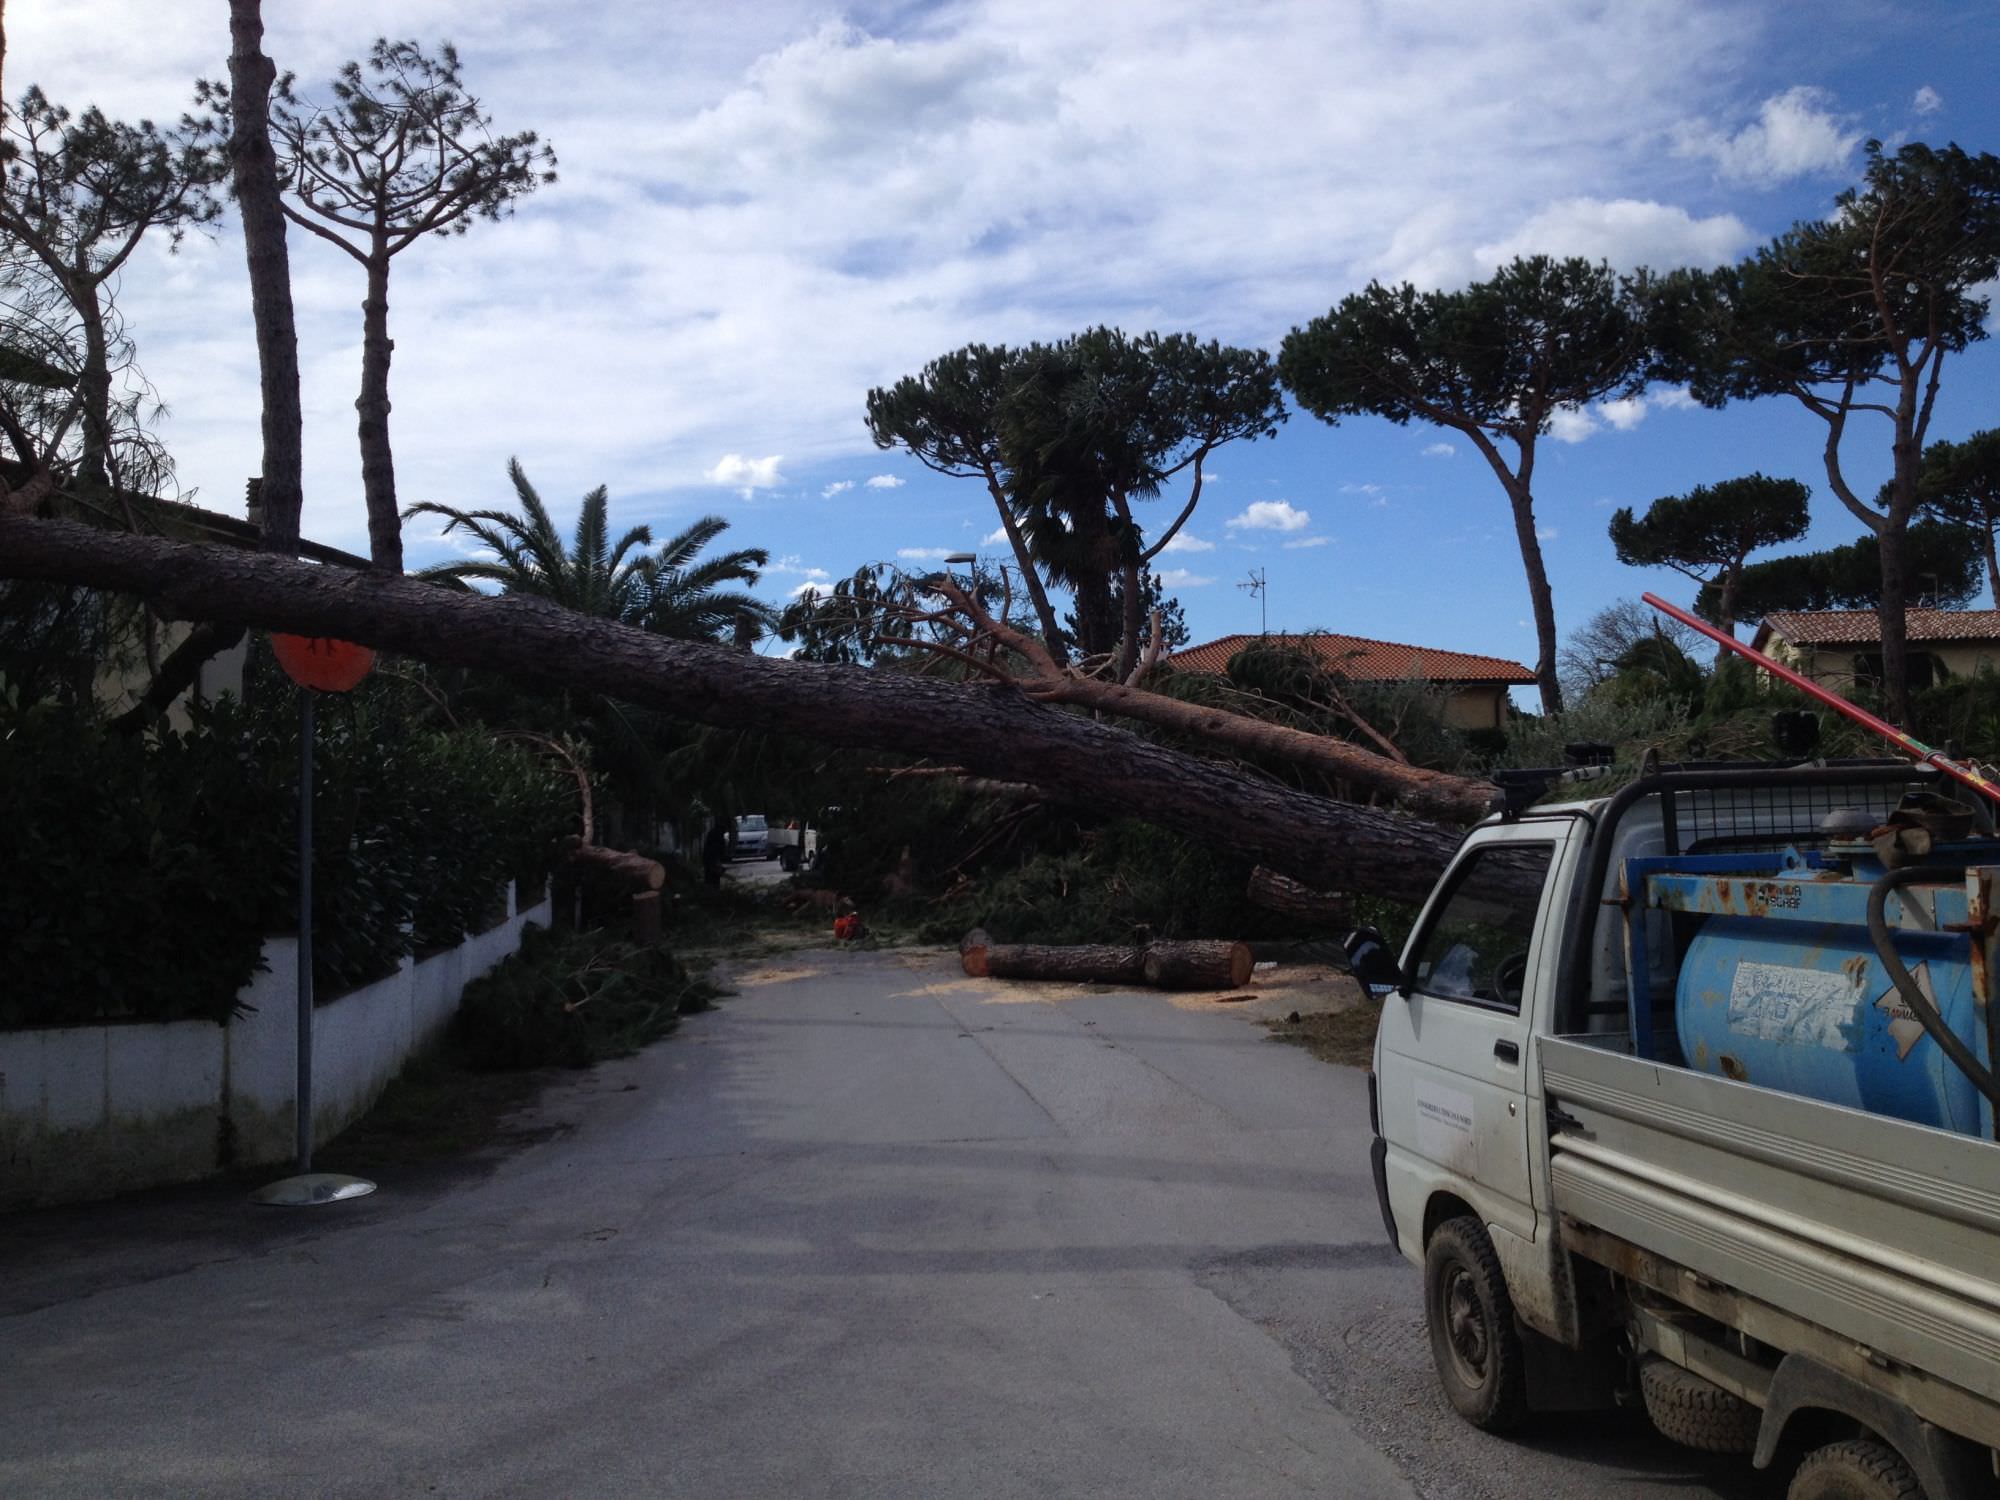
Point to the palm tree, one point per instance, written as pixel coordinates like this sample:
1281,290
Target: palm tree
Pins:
669,591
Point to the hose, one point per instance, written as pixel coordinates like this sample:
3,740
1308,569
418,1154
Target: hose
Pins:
1949,1041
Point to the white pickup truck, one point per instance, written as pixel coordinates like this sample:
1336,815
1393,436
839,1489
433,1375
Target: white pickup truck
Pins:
1703,1189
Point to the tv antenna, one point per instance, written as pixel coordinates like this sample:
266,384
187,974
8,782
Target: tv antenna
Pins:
1256,589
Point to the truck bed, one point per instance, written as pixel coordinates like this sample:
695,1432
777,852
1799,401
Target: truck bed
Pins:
1883,1233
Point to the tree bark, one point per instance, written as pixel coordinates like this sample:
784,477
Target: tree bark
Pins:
1287,897
255,166
1083,963
1540,597
1895,625
178,673
1198,965
378,464
992,730
93,384
1992,560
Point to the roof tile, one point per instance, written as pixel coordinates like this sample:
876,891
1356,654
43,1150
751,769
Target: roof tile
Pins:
1360,659
1861,627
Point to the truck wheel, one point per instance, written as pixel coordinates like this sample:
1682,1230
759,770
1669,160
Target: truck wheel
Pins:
1857,1470
789,861
1474,1342
1697,1413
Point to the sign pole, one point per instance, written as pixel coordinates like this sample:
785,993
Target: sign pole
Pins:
305,1187
304,1132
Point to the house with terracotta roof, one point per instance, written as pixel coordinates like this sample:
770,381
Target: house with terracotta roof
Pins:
1475,687
1843,647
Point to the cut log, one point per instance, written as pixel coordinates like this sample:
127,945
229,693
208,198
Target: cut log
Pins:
635,870
646,919
1296,899
1089,963
1198,965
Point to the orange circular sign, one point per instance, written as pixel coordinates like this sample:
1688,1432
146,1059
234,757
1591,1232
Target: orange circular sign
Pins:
328,666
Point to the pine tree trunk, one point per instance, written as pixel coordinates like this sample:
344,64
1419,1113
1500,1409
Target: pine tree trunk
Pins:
1083,963
990,730
255,165
1540,597
378,464
1992,563
93,386
1895,625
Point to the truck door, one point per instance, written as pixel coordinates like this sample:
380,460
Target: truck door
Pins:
1455,1045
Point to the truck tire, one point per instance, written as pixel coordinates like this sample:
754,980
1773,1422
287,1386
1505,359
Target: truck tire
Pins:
1474,1341
1860,1469
1696,1413
788,860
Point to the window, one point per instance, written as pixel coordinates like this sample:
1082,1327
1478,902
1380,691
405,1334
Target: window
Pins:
1923,669
1476,948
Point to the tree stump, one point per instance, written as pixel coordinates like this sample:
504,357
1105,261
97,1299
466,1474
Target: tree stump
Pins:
1198,965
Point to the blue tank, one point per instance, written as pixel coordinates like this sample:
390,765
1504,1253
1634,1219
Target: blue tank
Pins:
1809,1009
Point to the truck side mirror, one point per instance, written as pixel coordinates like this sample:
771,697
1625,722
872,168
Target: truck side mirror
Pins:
1370,960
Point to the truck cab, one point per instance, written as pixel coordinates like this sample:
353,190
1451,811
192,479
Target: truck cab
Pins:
1601,1217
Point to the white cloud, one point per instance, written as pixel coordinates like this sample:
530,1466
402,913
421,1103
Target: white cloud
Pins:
793,564
1672,398
1627,232
1271,515
1547,533
1928,101
1181,578
1625,413
1187,541
800,590
1361,489
997,537
746,475
1571,424
886,482
1307,541
1439,450
926,554
737,285
1794,135
839,486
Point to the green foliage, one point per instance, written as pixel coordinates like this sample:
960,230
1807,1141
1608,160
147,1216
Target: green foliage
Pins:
1964,712
1068,436
1941,560
1710,532
572,999
142,875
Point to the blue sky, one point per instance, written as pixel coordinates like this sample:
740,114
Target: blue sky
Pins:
766,209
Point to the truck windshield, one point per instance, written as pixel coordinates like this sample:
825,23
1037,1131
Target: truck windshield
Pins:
1476,947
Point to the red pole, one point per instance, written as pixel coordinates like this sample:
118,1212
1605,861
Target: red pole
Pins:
1909,743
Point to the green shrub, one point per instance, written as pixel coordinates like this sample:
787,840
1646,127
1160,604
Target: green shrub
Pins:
140,875
572,999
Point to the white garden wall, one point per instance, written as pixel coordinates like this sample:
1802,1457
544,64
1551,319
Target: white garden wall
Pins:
87,1111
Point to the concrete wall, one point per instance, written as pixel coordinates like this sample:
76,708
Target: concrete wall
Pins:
87,1111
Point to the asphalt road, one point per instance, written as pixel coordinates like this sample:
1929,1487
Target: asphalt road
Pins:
870,1229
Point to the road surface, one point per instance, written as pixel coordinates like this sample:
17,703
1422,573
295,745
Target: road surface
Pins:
870,1229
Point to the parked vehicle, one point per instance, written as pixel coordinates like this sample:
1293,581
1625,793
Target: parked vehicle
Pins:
1685,1095
752,838
800,842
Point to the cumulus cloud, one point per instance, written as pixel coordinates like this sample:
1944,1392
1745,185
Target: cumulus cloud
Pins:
839,486
732,288
1794,135
1672,398
801,590
1307,541
1187,541
1928,101
746,475
1571,424
1625,413
885,482
1271,515
997,537
1181,578
1628,232
1439,450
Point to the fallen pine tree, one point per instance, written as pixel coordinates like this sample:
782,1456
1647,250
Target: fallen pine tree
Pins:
992,729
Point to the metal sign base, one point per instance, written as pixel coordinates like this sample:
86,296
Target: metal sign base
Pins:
312,1188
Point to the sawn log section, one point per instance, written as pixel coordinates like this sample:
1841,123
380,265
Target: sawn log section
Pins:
1198,965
